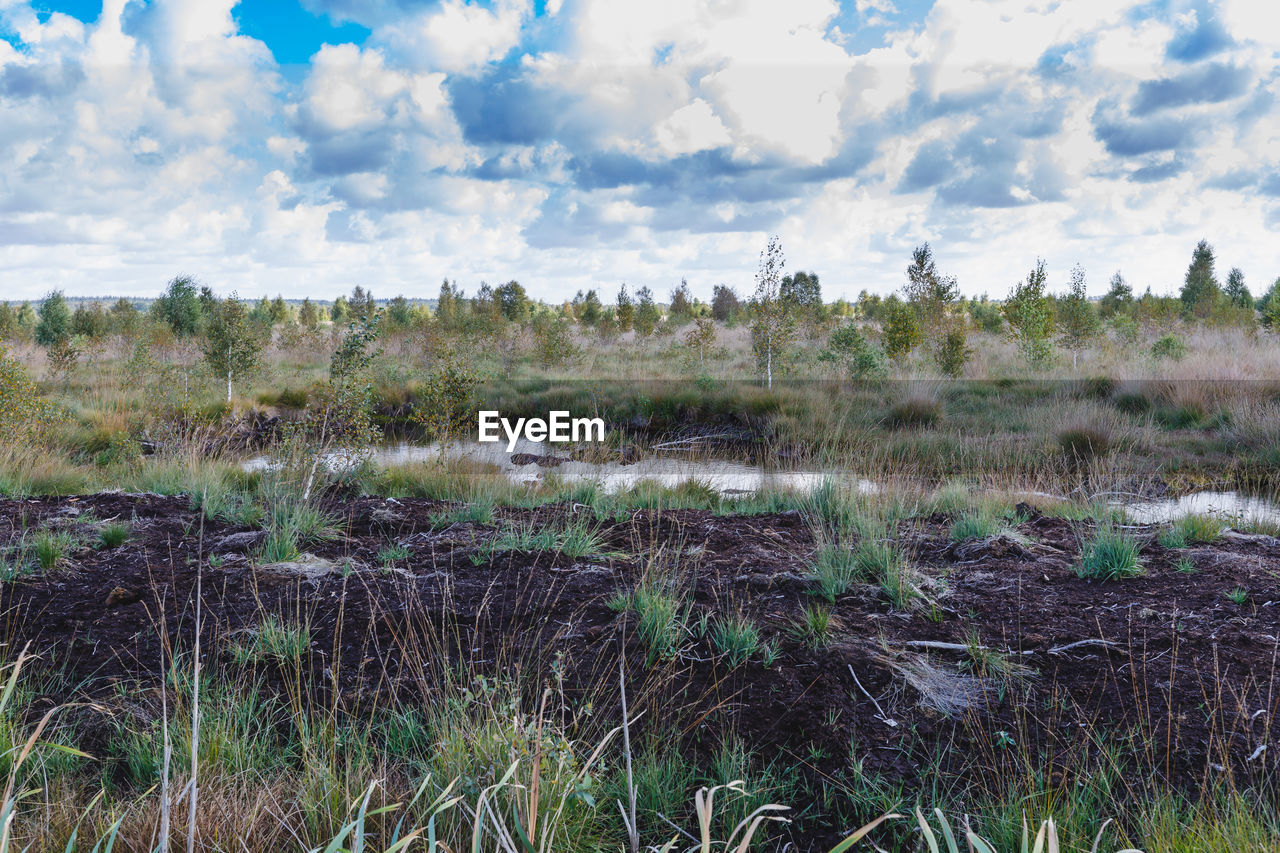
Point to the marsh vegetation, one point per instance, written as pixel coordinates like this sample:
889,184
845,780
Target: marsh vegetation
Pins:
950,609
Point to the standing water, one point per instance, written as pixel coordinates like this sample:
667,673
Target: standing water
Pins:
731,477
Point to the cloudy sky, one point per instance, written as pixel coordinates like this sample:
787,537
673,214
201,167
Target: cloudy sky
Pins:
303,146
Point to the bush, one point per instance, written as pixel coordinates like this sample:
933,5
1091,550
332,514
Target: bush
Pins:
915,412
849,348
1169,346
1109,554
23,412
120,448
1085,442
1126,329
953,352
446,404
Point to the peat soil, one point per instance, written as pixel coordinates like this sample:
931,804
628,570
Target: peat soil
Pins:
1009,655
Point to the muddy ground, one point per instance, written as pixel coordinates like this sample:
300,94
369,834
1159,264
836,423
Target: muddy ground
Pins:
1165,668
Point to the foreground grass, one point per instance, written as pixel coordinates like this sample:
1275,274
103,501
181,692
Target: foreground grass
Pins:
482,766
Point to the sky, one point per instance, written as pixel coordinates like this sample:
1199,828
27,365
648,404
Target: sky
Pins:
300,147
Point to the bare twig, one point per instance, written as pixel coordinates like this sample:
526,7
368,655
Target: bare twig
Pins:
633,832
883,716
1095,641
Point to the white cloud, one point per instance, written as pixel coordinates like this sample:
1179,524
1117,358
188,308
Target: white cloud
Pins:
458,36
165,140
767,69
693,127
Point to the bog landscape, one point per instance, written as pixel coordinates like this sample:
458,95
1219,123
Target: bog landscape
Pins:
916,572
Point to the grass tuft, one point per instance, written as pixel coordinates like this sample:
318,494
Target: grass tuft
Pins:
52,548
660,617
1109,554
113,535
275,641
835,569
914,412
815,628
737,638
1192,530
1085,442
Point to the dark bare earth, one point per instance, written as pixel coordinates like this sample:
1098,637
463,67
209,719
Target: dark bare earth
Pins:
1165,661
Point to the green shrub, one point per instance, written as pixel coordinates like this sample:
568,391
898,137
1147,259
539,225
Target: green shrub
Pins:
120,448
857,357
1109,554
1126,329
1169,346
953,352
23,412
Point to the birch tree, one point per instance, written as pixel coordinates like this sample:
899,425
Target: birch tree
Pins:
233,343
772,326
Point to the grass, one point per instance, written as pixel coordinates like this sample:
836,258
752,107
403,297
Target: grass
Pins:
273,640
660,617
815,627
736,638
51,549
975,525
393,553
113,535
886,564
914,412
575,538
310,769
478,512
834,571
1085,442
1109,554
1239,595
291,526
1192,530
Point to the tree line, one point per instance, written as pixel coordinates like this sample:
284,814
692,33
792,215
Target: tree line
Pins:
926,315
